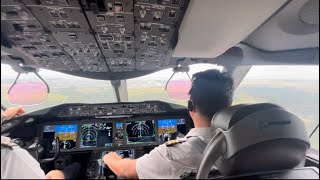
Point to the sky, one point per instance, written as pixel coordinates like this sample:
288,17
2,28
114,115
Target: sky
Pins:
293,72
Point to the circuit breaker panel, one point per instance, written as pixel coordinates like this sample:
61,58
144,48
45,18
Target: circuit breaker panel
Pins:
94,35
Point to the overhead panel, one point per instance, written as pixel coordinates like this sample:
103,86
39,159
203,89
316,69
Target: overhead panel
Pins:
95,35
113,23
25,31
68,25
82,47
156,28
135,36
59,18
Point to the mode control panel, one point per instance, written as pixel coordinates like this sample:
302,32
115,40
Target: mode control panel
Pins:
113,109
78,110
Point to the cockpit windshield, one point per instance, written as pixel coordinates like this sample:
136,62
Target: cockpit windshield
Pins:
152,86
64,88
293,87
296,88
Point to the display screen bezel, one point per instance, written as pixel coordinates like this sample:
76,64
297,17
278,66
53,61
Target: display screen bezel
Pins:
141,119
170,118
62,123
96,121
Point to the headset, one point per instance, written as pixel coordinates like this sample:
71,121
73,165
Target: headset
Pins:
190,105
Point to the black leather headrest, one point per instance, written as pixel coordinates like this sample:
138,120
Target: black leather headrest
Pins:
252,138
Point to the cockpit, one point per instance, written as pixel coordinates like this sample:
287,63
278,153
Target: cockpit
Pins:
114,76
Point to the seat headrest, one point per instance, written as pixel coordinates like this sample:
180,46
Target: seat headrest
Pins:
258,137
229,116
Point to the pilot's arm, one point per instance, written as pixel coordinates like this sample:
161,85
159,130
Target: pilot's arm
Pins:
11,112
157,164
17,163
125,168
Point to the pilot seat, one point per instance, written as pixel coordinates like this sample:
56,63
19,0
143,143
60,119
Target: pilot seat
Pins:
260,140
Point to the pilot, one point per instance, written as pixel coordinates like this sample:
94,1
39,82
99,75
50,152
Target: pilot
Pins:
17,163
211,91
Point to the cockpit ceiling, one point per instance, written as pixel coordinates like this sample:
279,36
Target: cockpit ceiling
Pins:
211,27
119,39
296,26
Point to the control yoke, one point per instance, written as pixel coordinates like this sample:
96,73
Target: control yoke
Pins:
56,154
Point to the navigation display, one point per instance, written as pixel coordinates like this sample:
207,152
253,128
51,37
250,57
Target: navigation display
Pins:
96,135
67,135
168,129
140,132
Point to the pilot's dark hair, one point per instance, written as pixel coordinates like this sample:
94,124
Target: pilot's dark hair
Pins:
211,91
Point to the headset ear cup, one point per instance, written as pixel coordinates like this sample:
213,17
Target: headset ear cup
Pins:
190,105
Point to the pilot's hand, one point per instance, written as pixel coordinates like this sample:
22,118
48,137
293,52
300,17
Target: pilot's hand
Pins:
111,156
13,111
55,174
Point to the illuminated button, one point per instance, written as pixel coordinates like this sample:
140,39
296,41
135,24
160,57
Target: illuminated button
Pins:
122,30
157,15
104,29
143,13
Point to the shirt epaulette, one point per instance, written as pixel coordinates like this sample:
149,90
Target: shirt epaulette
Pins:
8,144
176,141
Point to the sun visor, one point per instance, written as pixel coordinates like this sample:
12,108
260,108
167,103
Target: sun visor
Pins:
210,28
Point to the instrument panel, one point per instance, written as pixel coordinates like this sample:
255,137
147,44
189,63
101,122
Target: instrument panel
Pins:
87,132
92,134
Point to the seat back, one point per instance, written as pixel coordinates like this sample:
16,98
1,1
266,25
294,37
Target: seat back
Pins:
253,138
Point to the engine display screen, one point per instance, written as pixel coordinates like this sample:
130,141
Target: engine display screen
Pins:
67,135
168,129
96,135
140,132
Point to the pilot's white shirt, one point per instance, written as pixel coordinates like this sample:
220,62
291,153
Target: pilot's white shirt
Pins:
170,162
17,163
